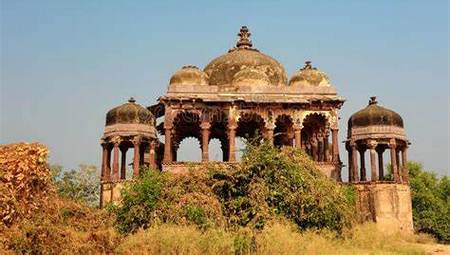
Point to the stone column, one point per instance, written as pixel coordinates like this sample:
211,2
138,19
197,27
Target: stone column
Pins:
205,126
320,147
362,159
350,163
105,168
115,167
354,162
373,164
231,142
167,144
123,163
314,148
326,151
405,164
335,146
269,132
380,152
392,147
298,136
153,154
136,156
399,164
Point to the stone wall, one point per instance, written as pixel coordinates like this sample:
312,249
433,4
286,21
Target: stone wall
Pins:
110,192
387,204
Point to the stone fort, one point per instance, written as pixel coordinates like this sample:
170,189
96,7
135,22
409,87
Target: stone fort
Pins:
246,94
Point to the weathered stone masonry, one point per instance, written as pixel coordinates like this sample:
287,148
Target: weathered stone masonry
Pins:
245,93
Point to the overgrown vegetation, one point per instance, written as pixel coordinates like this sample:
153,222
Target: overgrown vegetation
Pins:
430,202
268,183
246,209
36,219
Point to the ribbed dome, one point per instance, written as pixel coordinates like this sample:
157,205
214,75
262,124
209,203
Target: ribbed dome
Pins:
309,75
222,69
250,76
375,115
129,113
189,75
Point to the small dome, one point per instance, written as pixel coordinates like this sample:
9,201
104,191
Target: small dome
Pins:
309,75
375,115
222,70
129,113
189,75
250,76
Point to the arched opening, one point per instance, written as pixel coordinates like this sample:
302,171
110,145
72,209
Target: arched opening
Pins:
215,150
315,137
218,146
250,126
189,150
186,125
284,131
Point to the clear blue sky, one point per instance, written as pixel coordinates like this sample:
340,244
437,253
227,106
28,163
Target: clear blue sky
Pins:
65,63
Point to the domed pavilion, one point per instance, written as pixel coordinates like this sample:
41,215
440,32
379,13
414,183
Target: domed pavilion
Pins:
376,129
129,125
245,93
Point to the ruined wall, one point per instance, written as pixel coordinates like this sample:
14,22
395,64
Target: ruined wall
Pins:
110,192
387,204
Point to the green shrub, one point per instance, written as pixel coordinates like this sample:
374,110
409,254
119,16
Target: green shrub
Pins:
271,182
430,202
139,200
268,183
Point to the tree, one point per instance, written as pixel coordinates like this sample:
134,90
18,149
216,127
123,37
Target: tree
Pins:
430,202
81,185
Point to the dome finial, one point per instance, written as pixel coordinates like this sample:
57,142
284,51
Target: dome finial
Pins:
244,41
307,66
373,100
131,100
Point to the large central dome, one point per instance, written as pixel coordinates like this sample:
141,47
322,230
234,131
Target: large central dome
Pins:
222,70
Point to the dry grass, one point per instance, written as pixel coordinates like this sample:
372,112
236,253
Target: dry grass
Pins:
278,238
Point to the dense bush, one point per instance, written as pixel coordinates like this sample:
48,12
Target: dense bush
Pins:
430,202
268,183
36,220
25,180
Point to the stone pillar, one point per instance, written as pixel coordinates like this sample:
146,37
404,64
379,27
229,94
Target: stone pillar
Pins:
123,163
405,164
362,159
354,162
320,148
314,148
205,126
380,152
298,137
392,147
136,156
399,164
373,164
350,163
167,144
326,151
269,132
335,146
105,168
153,154
231,142
115,167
